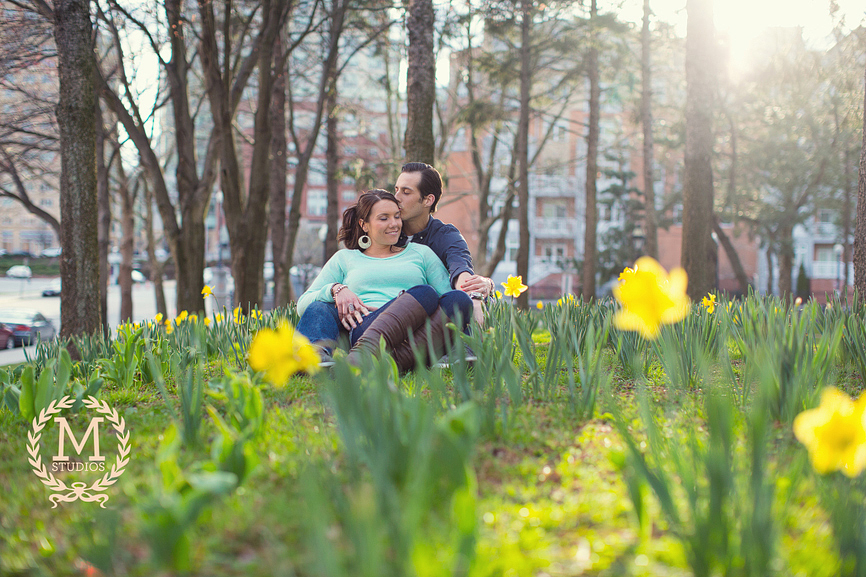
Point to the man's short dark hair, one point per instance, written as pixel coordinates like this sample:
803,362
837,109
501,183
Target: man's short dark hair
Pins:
431,181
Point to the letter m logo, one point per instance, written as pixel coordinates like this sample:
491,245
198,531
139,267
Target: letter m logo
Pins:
65,430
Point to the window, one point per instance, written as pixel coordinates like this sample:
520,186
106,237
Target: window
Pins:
46,202
349,195
677,214
553,252
824,254
554,209
826,216
317,201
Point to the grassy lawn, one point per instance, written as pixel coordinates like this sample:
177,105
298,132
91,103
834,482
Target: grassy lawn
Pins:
552,490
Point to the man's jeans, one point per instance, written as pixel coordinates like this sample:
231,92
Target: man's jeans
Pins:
321,324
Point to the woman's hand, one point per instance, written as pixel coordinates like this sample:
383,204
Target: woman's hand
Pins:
350,308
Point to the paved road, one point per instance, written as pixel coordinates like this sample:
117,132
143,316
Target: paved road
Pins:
16,293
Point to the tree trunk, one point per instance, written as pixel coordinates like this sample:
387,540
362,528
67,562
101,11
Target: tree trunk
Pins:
736,263
846,217
156,267
651,246
79,234
523,149
786,260
127,238
769,269
104,217
421,83
329,77
860,230
332,155
246,214
698,191
277,198
589,243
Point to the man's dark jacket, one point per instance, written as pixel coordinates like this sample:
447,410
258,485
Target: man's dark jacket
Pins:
448,244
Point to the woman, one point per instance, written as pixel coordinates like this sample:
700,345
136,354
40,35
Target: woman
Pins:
378,290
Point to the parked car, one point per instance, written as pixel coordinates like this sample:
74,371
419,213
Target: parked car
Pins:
7,337
137,277
52,252
2,252
27,325
19,271
53,289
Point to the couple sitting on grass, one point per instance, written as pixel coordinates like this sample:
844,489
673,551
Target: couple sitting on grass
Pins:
392,277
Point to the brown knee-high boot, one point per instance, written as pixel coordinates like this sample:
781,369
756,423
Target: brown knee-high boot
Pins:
424,341
403,316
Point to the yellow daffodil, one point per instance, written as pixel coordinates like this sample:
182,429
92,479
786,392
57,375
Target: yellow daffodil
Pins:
218,318
650,297
206,291
282,353
514,286
206,322
158,317
256,314
193,318
498,294
539,305
834,434
238,314
625,274
709,302
181,317
169,328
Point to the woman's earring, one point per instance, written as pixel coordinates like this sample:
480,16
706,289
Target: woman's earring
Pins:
364,242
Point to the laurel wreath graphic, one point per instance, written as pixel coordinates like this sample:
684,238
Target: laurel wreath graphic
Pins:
62,491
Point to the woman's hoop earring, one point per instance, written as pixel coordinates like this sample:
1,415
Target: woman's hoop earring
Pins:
364,242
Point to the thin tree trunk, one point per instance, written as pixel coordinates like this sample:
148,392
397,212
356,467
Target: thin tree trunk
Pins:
736,263
523,148
860,230
698,191
79,231
846,217
786,261
127,237
651,247
769,269
332,157
104,217
589,243
277,198
329,77
421,83
156,267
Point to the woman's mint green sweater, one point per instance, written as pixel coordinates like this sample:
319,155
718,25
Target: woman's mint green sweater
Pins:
377,280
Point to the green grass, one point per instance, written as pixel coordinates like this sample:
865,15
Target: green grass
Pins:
38,266
552,497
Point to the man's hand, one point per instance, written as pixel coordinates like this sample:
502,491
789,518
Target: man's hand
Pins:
474,283
350,308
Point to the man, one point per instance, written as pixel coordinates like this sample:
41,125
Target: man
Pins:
418,190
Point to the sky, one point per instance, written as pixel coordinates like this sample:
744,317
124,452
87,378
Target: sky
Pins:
744,20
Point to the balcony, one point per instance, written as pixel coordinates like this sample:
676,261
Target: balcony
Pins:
553,186
822,269
548,227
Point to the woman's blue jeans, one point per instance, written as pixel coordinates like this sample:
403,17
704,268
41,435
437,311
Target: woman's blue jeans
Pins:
320,323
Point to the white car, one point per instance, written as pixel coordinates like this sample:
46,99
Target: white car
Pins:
19,271
52,252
